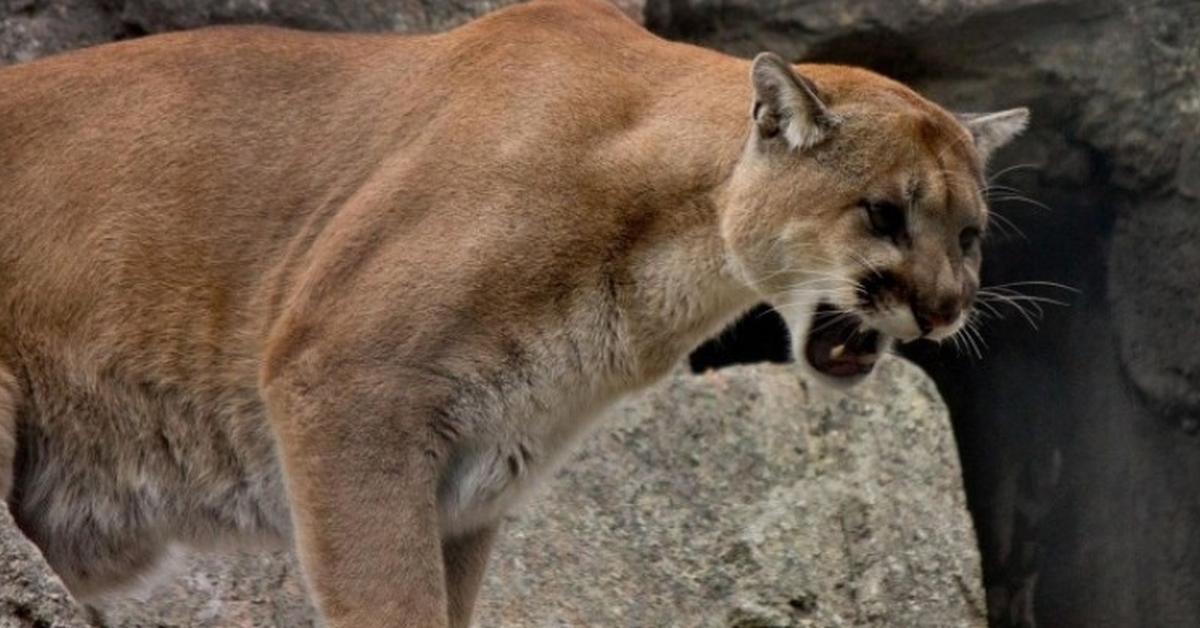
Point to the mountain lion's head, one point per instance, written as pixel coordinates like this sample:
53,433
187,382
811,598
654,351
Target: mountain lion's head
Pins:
857,210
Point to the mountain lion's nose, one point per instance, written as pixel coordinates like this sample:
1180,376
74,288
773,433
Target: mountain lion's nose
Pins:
941,314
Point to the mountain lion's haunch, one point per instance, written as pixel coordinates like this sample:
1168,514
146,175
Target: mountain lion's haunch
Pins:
359,293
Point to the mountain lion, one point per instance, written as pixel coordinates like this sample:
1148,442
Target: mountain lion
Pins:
359,293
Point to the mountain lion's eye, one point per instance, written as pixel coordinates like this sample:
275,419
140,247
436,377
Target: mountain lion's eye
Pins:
887,219
968,239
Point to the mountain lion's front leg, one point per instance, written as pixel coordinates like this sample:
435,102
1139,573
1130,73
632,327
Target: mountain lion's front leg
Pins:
362,486
9,399
466,559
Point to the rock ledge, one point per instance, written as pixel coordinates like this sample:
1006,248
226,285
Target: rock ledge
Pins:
744,497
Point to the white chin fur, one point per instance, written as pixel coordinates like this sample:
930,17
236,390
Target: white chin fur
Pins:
949,330
798,319
897,322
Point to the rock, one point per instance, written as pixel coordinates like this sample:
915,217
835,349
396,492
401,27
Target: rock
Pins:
747,497
1155,258
34,28
154,16
744,497
31,596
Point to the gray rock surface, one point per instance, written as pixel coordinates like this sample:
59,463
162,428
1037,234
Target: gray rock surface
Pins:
31,596
747,497
744,497
34,28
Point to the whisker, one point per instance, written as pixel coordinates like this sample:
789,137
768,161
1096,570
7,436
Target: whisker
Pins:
991,309
1020,199
1049,284
1004,171
861,259
1032,301
1032,306
1025,314
1027,311
957,343
973,323
840,317
969,349
1028,297
972,334
1005,222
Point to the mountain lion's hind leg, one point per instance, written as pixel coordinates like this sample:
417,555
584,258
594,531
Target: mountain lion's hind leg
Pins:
362,486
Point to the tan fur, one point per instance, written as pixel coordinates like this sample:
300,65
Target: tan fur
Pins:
359,292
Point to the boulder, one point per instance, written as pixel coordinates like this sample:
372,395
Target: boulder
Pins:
745,497
31,596
34,28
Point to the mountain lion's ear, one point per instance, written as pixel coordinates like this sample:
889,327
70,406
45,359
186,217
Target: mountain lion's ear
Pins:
993,130
787,105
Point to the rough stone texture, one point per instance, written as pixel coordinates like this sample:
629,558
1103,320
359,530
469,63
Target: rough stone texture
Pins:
243,589
1079,442
747,498
30,595
739,498
33,28
361,15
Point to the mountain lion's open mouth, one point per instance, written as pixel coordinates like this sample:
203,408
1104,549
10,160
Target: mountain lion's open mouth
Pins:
837,346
